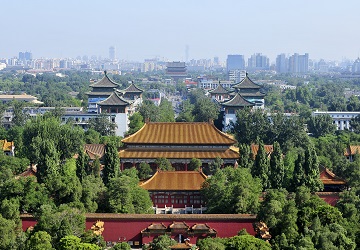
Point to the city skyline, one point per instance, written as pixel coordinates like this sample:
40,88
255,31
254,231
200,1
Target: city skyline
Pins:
177,31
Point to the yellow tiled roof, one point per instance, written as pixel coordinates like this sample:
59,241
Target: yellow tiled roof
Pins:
352,150
175,180
6,145
179,133
255,147
171,154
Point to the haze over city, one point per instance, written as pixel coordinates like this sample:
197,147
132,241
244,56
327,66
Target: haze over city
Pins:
148,29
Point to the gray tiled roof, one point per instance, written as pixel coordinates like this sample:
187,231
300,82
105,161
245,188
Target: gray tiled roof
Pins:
114,100
238,101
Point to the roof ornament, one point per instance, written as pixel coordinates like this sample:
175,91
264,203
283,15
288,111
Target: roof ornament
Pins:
105,72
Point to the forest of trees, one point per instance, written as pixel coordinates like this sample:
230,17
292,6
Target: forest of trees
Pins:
65,187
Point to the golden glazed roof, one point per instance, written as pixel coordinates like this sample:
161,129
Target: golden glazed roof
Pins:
175,181
352,150
172,154
6,145
179,133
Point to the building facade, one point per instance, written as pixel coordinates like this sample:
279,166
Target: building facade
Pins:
179,142
341,119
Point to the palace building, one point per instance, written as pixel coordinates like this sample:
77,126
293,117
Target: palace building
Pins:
106,97
176,191
245,94
178,142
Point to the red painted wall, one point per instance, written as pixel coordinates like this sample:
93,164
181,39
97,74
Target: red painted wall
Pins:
130,230
128,227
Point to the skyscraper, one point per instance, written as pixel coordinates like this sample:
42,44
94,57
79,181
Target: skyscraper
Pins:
235,65
299,63
258,62
112,53
282,64
235,62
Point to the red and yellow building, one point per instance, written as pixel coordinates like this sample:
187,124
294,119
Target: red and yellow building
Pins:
176,189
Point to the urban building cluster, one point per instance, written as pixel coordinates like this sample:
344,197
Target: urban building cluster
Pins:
234,65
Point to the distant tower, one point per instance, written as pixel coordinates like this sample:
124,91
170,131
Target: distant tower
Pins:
112,53
187,53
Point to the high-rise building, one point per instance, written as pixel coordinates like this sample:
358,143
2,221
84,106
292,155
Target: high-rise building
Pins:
282,64
112,53
299,63
25,56
235,62
234,65
356,66
258,62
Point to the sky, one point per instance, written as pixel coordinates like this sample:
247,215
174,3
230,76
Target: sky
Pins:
143,29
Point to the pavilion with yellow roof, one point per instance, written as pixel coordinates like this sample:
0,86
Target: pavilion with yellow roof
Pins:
179,142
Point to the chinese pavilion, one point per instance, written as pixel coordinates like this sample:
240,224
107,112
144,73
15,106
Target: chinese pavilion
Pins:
105,97
219,93
231,106
245,94
250,91
100,91
179,142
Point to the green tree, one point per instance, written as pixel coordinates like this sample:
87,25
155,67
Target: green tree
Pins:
149,111
194,164
103,124
60,222
92,136
92,189
299,172
125,196
19,116
211,244
81,163
71,242
166,110
205,110
162,242
144,170
8,230
232,191
355,124
261,166
39,241
251,125
64,139
312,171
321,125
164,164
353,104
213,166
186,113
277,171
245,159
136,123
121,246
111,162
246,242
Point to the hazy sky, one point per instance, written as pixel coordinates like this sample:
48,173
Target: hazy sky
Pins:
138,29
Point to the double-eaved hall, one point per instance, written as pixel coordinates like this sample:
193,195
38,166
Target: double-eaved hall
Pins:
179,142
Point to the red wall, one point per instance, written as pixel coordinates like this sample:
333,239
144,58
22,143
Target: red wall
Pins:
130,229
127,227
